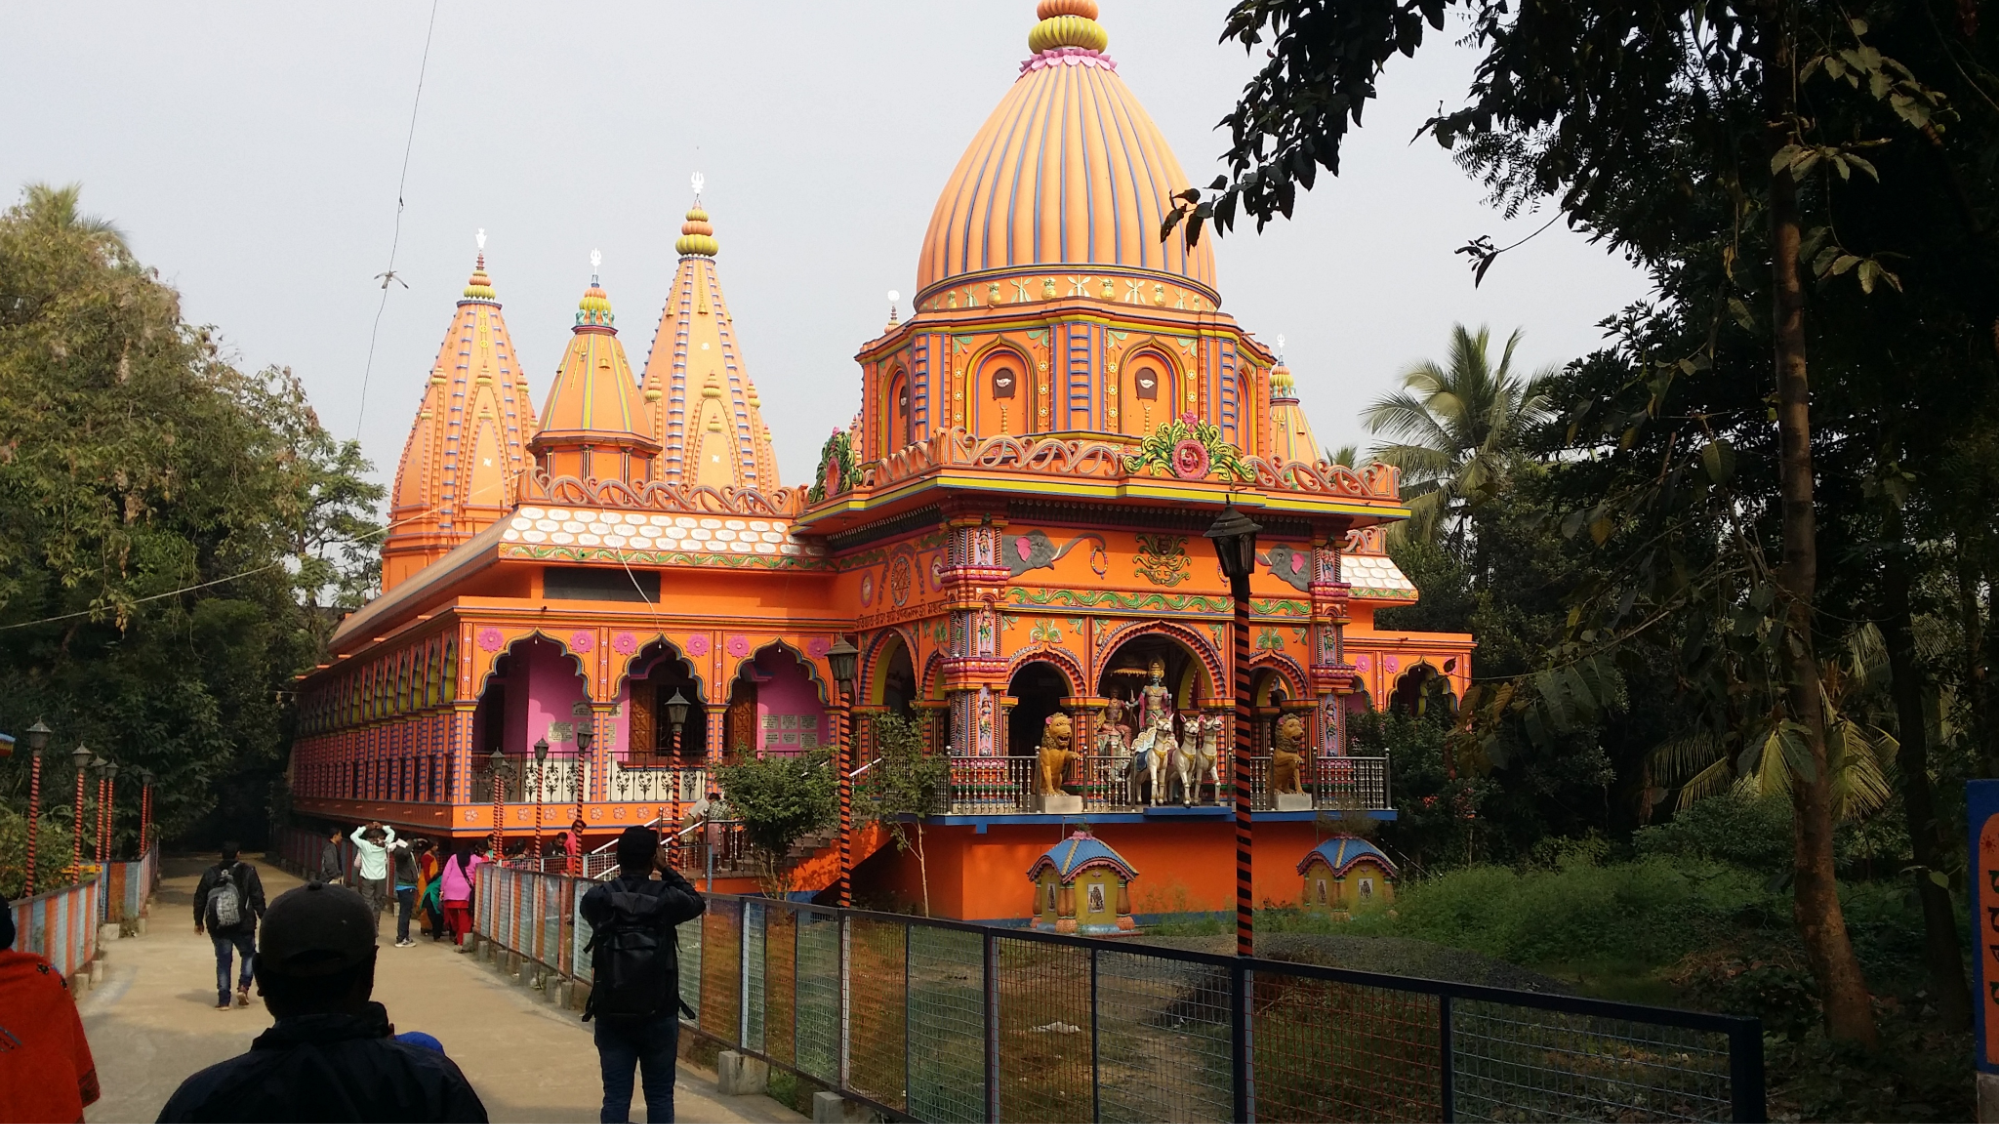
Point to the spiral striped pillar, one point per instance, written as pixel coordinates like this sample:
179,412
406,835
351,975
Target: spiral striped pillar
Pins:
34,817
1245,921
843,762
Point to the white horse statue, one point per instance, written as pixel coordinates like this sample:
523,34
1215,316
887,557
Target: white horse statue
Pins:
1112,747
1154,751
1197,763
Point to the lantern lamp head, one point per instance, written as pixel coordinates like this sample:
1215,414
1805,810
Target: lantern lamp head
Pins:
676,710
842,657
81,756
38,737
584,738
1234,536
540,750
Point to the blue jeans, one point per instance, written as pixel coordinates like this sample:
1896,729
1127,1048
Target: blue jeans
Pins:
650,1043
243,942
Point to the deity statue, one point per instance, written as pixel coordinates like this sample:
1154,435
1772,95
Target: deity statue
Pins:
1056,755
1284,756
1157,697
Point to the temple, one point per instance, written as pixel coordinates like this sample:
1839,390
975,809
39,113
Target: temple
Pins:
1010,531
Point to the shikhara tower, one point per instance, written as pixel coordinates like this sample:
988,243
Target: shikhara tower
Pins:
1010,528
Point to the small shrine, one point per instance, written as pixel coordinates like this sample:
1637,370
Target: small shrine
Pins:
1082,886
1343,873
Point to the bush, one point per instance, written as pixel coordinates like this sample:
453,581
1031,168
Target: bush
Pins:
780,800
52,853
1727,828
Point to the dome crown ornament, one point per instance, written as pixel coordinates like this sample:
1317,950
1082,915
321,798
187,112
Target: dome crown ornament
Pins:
595,307
697,236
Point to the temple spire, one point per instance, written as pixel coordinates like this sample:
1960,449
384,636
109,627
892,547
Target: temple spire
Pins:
705,410
594,427
461,467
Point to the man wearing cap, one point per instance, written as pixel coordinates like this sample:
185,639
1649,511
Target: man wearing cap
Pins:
635,997
332,1055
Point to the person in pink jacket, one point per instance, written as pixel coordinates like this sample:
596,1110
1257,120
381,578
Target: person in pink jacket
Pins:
459,879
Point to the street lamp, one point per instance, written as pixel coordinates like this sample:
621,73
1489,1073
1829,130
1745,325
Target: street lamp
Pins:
676,717
842,657
38,740
540,774
145,808
110,812
497,762
1234,536
80,757
584,737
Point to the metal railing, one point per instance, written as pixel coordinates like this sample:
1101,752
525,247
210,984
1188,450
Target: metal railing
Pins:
944,1021
999,786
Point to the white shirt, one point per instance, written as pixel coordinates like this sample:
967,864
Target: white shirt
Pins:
373,858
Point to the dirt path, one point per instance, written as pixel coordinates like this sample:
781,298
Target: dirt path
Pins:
152,1022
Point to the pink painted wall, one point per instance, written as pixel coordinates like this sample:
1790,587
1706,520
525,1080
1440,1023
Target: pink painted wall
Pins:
785,692
552,686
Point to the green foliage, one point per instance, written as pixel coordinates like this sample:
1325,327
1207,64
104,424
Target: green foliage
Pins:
52,851
780,801
836,466
1749,832
179,535
904,781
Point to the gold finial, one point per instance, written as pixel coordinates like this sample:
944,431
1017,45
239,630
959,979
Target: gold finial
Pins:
1067,23
696,235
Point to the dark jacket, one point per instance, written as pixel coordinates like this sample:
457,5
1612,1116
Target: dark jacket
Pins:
329,863
249,893
329,1068
683,904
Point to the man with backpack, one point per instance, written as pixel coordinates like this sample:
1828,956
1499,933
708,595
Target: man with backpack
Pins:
227,903
635,999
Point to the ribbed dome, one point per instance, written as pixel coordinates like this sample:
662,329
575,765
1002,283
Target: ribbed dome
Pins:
1069,171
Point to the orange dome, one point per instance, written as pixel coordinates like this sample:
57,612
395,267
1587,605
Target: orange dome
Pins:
593,425
1069,171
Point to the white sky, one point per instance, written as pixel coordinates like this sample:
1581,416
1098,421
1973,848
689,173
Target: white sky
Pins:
251,151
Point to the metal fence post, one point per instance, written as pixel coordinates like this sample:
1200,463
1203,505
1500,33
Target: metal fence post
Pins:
743,978
1240,1066
1447,1072
1096,1066
908,1018
1745,1071
989,995
846,1000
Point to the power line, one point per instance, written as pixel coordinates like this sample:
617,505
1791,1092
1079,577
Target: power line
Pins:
395,240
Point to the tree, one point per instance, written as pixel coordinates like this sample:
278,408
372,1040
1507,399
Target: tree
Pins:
1457,433
780,801
154,603
1639,120
901,787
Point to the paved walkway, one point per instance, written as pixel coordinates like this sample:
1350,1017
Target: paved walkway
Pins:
152,1022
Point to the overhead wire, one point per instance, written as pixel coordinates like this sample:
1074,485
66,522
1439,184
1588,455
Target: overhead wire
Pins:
395,240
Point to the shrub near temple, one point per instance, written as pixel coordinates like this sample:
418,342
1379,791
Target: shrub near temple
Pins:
779,801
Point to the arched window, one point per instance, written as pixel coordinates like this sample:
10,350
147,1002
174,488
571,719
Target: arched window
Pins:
1004,404
1151,395
898,430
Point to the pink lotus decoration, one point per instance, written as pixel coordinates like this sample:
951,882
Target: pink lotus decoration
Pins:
1190,460
490,640
739,645
818,647
697,645
581,641
625,644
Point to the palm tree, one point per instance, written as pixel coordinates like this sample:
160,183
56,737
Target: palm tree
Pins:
1456,431
55,209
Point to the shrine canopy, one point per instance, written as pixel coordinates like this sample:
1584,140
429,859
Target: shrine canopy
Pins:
1080,852
1341,852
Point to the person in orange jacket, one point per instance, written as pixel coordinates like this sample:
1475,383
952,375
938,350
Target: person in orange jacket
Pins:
46,1072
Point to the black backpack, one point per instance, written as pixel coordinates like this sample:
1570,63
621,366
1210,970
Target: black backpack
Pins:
634,959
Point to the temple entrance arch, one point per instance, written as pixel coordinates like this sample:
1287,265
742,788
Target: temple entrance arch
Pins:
776,706
536,691
892,677
1420,690
1128,672
1038,688
658,673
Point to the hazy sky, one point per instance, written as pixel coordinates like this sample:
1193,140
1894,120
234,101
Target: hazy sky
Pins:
251,151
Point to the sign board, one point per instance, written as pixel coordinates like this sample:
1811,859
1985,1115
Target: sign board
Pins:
562,732
1982,799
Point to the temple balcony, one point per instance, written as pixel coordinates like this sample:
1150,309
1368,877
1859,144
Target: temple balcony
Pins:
980,787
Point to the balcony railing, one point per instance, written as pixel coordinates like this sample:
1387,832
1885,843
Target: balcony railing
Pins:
999,786
657,784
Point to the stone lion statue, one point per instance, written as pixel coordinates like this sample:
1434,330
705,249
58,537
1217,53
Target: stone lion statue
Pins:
1285,758
1056,756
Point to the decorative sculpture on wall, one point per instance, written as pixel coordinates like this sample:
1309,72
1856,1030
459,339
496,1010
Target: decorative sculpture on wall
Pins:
1197,758
1162,558
1056,755
1285,759
1188,448
1154,751
1294,567
1034,550
837,471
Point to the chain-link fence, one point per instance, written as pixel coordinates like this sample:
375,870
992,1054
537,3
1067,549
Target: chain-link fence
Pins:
930,1020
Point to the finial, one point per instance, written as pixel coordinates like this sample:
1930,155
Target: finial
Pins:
699,181
480,238
596,262
1067,23
893,297
1280,347
696,235
595,307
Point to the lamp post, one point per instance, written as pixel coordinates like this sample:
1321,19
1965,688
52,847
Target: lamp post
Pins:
842,657
676,718
110,809
540,774
80,757
38,740
584,737
1234,536
497,762
145,809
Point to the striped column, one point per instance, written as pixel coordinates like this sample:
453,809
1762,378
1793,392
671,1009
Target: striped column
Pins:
1245,924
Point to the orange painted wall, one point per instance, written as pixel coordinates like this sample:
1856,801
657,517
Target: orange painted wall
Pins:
1181,868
